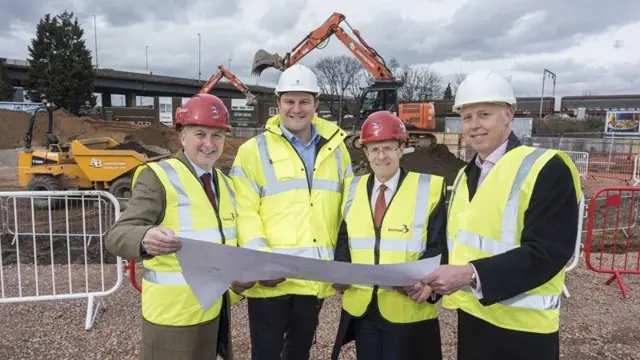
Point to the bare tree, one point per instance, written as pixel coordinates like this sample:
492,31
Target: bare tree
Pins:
420,84
337,74
326,80
361,80
459,79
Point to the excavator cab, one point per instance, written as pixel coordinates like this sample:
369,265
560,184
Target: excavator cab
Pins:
381,95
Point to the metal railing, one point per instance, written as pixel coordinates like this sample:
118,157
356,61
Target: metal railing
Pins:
52,248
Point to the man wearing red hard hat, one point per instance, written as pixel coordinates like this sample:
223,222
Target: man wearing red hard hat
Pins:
182,194
390,216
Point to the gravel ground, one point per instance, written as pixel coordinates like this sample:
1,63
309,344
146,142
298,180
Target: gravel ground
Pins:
597,323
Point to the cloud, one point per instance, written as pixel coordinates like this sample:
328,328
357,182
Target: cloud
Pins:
589,44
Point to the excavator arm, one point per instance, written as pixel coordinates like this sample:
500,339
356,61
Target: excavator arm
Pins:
223,72
367,55
382,94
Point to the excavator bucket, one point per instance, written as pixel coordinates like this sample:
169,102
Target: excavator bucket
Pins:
251,100
263,60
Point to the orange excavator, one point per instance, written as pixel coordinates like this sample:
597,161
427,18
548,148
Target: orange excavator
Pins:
382,94
223,72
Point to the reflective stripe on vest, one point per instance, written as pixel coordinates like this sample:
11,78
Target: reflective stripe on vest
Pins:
272,186
416,244
186,226
184,209
313,252
507,239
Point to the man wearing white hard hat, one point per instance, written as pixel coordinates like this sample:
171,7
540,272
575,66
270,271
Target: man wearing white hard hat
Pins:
511,231
289,183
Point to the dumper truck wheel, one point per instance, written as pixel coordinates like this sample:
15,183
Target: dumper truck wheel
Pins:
121,189
44,183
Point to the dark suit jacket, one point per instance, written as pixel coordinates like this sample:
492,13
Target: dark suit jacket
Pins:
436,234
548,238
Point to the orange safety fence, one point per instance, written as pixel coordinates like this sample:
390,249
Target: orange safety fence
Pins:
613,242
606,165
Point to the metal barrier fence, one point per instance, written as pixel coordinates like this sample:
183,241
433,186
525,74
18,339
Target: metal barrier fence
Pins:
580,160
606,251
51,247
616,166
577,251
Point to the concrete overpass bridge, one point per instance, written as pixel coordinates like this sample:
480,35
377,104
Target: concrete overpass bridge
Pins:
130,84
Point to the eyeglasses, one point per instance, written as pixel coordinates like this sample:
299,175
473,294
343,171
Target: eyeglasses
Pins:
386,150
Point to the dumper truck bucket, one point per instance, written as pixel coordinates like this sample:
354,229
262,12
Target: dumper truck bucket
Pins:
263,60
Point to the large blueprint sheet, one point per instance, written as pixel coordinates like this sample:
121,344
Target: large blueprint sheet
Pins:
210,268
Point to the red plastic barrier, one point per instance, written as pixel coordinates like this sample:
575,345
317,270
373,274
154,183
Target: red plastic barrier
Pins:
613,235
130,268
605,165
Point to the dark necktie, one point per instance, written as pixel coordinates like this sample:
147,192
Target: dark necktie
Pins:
380,207
206,180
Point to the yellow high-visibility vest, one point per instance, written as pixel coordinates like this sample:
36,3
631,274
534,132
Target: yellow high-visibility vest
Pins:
280,211
166,297
491,224
403,238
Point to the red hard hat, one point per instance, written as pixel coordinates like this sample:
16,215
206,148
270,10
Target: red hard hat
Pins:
203,110
382,126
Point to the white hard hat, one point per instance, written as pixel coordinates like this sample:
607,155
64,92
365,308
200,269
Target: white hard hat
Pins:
484,86
298,78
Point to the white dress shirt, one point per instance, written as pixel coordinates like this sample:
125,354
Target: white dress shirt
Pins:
392,186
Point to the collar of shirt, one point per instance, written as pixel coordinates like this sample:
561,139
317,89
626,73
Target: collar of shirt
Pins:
294,140
199,171
494,156
392,183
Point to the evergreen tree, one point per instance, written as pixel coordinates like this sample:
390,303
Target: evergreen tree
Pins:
61,68
448,93
6,89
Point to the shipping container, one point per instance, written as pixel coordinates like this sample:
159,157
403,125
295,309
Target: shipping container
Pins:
521,126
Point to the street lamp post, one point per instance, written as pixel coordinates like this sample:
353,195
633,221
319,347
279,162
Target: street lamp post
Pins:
199,60
146,57
550,74
95,36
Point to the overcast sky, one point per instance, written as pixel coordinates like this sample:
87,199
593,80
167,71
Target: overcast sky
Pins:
589,44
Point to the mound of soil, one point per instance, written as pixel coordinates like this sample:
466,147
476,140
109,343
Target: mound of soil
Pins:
68,127
229,152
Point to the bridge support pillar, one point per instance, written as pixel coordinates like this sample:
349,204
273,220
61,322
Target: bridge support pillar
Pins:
176,102
156,108
106,99
130,99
